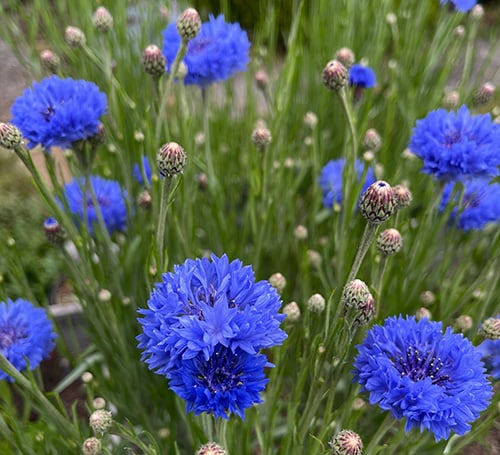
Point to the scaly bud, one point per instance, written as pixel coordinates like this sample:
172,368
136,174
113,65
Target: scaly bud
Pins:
378,202
211,448
491,329
277,281
316,303
345,56
102,19
261,138
483,95
335,75
422,313
74,36
389,242
91,446
346,442
50,61
358,302
189,24
372,140
292,312
10,136
154,61
100,421
403,196
171,159
54,231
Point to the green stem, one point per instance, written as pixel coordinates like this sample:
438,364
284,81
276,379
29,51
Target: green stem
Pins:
351,122
221,432
162,220
384,427
366,240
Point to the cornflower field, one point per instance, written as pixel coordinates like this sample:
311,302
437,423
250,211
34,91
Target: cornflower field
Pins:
262,228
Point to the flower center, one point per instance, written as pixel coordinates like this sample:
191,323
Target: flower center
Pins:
221,372
450,138
10,334
197,46
48,113
418,366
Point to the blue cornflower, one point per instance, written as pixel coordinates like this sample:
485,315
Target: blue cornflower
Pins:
331,180
453,145
479,203
436,381
461,5
138,174
215,54
25,332
110,197
361,76
226,383
59,112
490,353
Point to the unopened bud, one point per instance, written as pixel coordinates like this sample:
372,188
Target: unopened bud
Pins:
154,61
477,13
202,179
389,242
491,329
427,298
311,120
10,136
358,301
100,421
144,200
261,138
99,403
74,36
300,232
403,196
99,137
316,303
483,95
422,313
104,295
451,100
372,140
459,31
315,259
102,19
91,446
346,442
345,56
335,75
278,281
261,80
171,159
463,323
378,202
50,61
211,448
54,231
292,312
189,24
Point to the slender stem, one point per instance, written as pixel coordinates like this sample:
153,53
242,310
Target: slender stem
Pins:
380,276
366,240
212,178
220,432
351,122
162,219
387,423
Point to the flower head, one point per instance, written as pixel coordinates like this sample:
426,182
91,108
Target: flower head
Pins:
110,198
25,332
218,51
434,380
490,353
457,144
362,76
461,5
331,180
59,112
479,204
140,172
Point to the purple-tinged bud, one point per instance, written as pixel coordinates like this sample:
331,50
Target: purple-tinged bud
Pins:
335,75
358,302
463,323
292,312
427,298
171,159
189,24
389,242
154,61
491,329
316,303
74,36
378,202
403,196
477,13
100,421
202,179
53,231
261,138
346,442
144,200
91,446
211,448
300,232
451,100
10,136
345,56
278,281
102,19
422,313
372,140
483,95
261,80
49,60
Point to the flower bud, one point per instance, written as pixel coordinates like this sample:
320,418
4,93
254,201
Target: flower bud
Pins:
372,140
171,159
211,448
358,301
459,31
378,202
154,61
202,179
292,312
91,446
483,95
346,443
335,75
277,281
49,60
316,303
10,136
491,329
422,313
261,138
315,259
104,296
311,120
189,24
403,196
144,200
463,323
345,56
261,80
74,36
477,13
99,137
427,298
102,19
54,231
389,242
300,232
451,100
100,421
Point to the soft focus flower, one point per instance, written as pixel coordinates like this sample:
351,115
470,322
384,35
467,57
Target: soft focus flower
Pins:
479,204
25,332
215,54
434,380
461,5
457,144
205,324
59,112
490,352
140,172
110,198
331,180
361,76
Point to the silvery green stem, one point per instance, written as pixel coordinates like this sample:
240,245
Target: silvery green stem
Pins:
366,240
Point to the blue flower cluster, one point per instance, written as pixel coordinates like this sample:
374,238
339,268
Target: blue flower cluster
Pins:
204,327
139,172
331,180
461,5
59,112
362,76
110,198
479,203
25,333
215,54
436,381
456,145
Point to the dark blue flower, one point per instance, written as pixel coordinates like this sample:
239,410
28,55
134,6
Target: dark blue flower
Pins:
331,180
140,172
215,54
59,112
361,76
461,5
226,383
490,353
453,145
110,198
436,381
25,332
479,203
